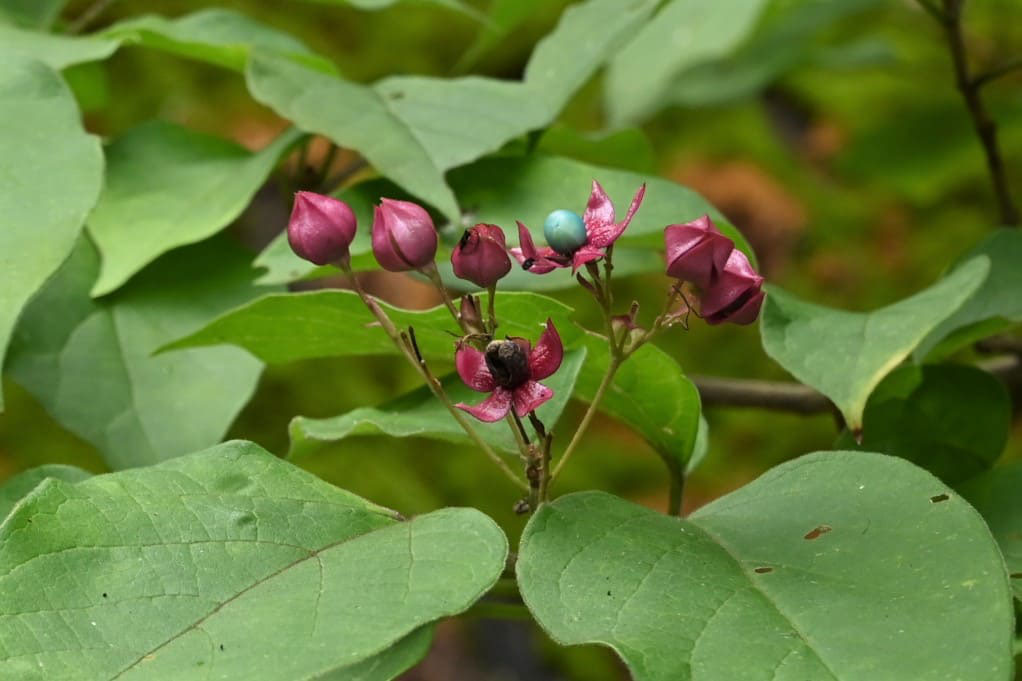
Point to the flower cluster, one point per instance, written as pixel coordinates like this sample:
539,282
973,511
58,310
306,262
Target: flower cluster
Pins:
404,238
732,291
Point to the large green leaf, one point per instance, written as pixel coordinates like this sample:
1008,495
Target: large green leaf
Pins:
682,34
413,129
15,488
995,494
845,355
33,13
90,362
501,190
838,565
420,414
353,116
228,563
995,305
45,196
167,186
217,36
282,328
460,120
650,393
626,148
214,35
951,420
57,51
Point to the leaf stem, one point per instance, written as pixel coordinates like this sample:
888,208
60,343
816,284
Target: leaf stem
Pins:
406,345
433,274
608,378
491,307
677,490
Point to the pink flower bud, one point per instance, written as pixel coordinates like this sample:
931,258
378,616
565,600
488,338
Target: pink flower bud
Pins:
481,255
404,237
321,228
737,294
696,251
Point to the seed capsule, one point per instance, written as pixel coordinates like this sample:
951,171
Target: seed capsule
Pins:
565,231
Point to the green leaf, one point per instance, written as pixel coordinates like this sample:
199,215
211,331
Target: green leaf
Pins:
90,362
838,565
413,129
951,420
701,447
15,488
56,51
388,664
167,186
353,116
420,414
225,564
650,393
845,355
285,327
783,42
217,36
32,13
994,306
45,196
460,120
627,148
682,34
995,494
503,17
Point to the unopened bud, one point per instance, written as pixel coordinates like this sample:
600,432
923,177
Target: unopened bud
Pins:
321,228
404,237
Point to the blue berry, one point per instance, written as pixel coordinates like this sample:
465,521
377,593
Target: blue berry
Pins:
564,231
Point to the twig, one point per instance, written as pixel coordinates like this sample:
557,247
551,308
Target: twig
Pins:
88,16
801,399
775,395
997,71
433,275
950,19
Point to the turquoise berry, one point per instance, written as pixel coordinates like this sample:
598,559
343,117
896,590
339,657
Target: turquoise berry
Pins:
564,231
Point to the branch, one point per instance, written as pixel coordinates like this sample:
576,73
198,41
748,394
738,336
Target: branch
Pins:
775,395
996,72
801,399
951,21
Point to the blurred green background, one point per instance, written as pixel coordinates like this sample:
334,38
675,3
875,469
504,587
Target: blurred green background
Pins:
855,174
